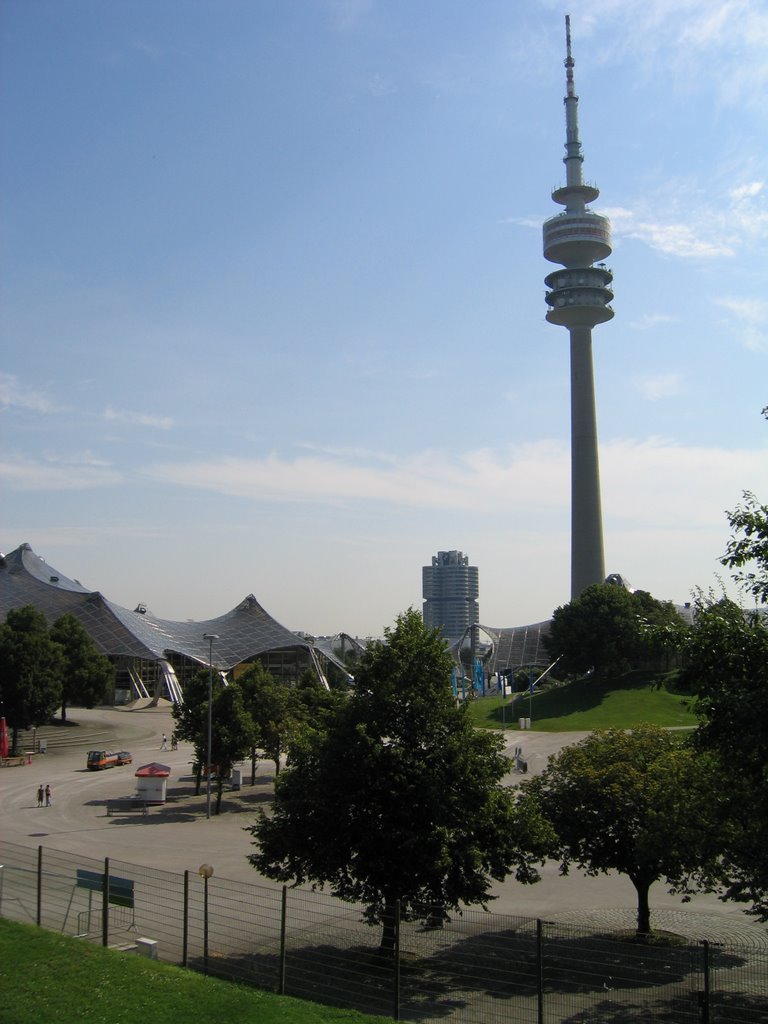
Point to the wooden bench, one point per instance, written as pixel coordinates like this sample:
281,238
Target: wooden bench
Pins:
120,806
14,762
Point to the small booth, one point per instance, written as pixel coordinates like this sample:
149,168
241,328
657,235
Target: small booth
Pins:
152,782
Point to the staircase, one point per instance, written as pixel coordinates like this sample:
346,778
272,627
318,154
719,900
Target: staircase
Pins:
63,736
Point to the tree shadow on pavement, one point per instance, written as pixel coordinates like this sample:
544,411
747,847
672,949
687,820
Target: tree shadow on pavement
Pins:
586,978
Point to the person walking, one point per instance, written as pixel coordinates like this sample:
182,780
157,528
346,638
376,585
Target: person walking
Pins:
48,797
164,744
40,795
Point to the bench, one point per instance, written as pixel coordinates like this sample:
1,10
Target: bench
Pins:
14,762
120,806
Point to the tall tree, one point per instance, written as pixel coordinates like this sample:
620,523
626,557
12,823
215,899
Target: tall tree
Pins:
607,628
191,717
314,705
726,664
232,733
399,799
232,728
273,708
31,667
747,550
87,673
642,803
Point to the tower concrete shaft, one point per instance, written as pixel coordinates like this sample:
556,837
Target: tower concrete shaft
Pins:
578,297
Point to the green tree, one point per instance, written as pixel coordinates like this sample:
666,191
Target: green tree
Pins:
642,803
232,728
191,718
87,673
273,708
607,629
747,549
31,667
399,798
726,665
232,733
315,704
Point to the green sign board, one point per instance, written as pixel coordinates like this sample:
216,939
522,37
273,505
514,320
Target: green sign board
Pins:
120,889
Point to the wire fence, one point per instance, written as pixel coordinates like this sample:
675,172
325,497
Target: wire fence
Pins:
477,968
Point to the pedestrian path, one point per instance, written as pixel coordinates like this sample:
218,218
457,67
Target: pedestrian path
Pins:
687,923
179,837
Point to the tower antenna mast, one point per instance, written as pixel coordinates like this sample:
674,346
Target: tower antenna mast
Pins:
578,297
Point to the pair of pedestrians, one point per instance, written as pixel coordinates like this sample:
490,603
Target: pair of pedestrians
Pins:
44,795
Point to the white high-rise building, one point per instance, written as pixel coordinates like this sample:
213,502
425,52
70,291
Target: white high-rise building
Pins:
450,587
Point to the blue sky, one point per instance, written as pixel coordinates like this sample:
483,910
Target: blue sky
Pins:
273,300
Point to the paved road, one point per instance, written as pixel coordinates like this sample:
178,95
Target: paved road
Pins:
178,836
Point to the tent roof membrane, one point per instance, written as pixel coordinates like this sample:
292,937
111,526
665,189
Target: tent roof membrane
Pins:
243,633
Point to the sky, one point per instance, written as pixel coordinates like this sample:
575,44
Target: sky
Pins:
272,309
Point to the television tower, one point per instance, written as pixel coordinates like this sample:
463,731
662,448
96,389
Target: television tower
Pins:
578,296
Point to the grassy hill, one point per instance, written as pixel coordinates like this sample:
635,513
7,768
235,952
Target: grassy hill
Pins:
49,977
586,705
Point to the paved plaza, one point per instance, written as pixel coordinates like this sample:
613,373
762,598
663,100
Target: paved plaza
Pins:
178,836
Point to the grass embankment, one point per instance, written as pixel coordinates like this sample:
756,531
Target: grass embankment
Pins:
586,705
49,977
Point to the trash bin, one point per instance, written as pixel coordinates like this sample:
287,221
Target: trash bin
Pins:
43,746
236,776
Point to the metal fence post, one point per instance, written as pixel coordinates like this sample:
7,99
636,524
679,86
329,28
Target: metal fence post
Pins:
396,1007
185,925
39,917
205,923
281,964
105,905
539,971
706,993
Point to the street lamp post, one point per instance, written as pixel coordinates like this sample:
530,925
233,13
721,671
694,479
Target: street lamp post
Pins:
210,637
205,871
530,694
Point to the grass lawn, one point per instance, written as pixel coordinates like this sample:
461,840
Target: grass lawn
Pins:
584,705
49,977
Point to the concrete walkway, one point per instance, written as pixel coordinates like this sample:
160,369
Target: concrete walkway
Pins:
178,836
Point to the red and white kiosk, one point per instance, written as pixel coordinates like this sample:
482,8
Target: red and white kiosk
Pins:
152,782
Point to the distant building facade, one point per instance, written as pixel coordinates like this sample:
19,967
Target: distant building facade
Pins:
450,588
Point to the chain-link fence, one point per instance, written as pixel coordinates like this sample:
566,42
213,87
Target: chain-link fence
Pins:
476,968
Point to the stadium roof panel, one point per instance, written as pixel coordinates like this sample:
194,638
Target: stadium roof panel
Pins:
244,632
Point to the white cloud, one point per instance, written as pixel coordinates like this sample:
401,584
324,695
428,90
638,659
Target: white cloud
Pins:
13,396
681,219
143,419
347,14
750,315
712,46
379,85
426,479
652,480
655,484
664,523
84,473
677,239
651,320
748,191
671,237
661,385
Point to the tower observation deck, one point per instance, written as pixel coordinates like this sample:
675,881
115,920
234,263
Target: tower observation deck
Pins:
578,297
